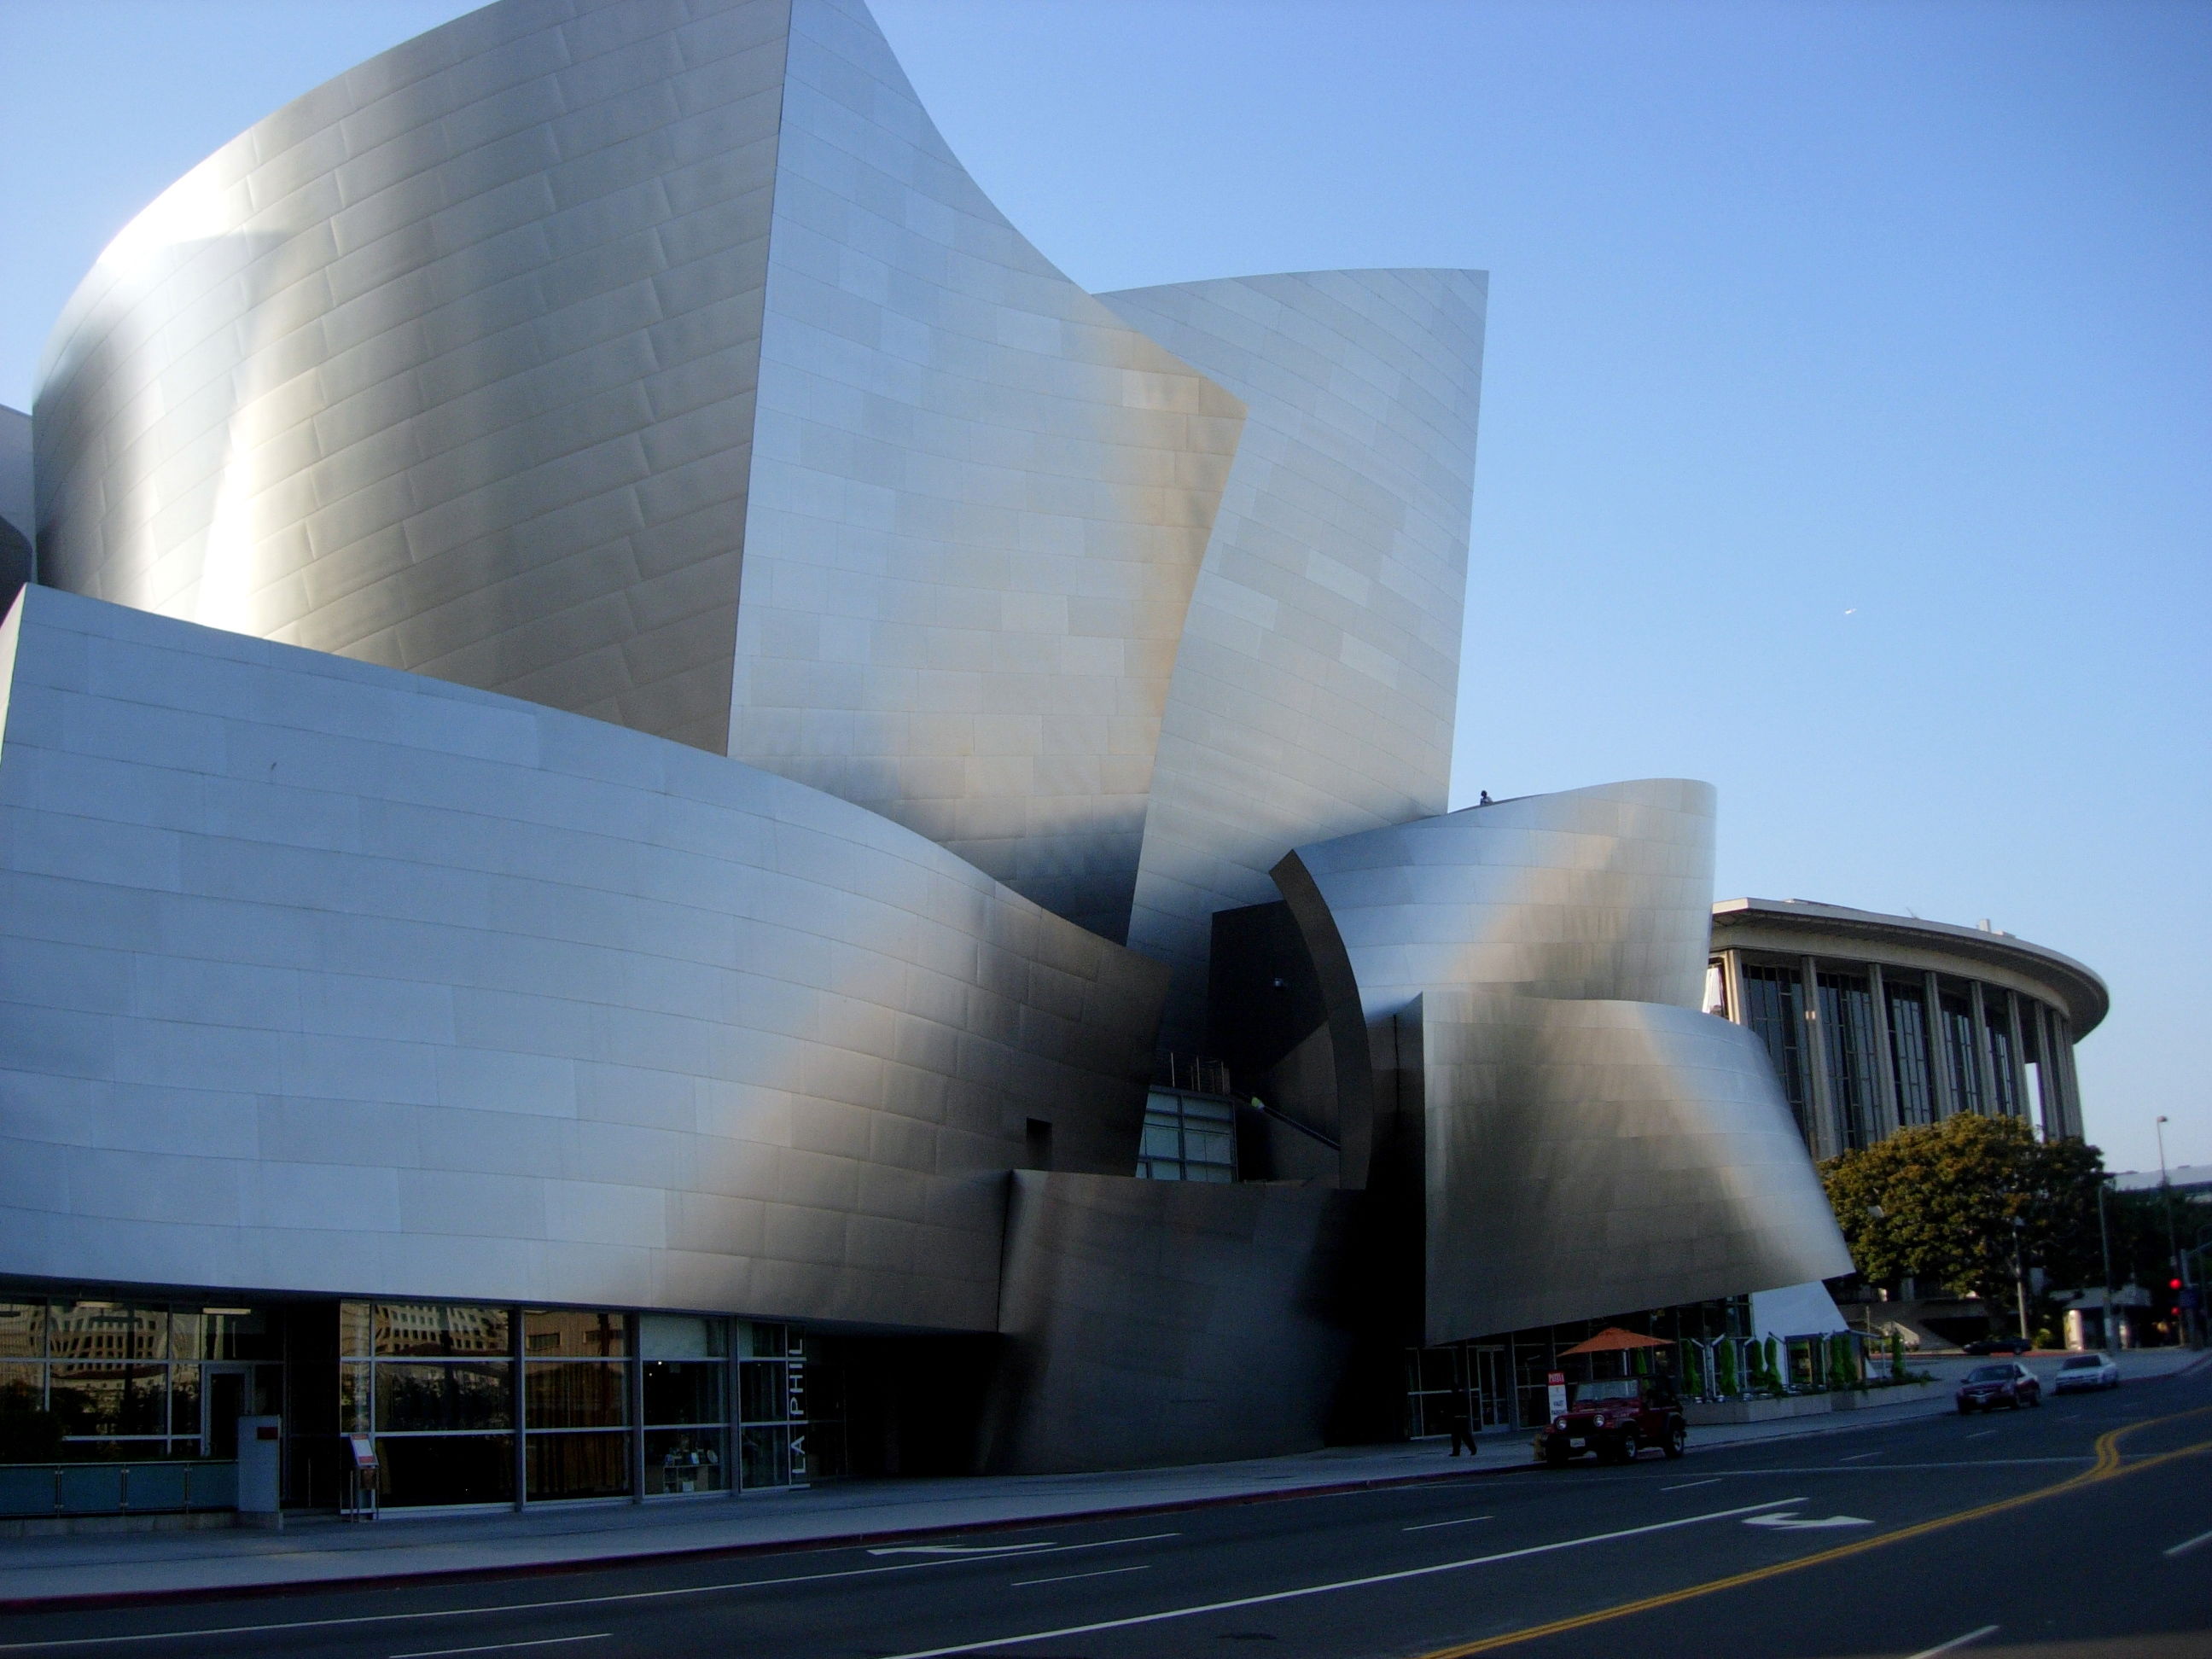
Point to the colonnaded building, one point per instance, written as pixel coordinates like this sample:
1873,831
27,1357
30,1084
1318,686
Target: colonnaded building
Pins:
675,821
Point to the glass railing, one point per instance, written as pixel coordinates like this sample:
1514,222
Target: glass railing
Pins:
32,1489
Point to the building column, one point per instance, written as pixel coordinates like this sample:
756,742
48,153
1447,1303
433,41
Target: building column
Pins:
2019,1063
2057,1120
1984,1066
1885,1122
1939,1052
1827,1121
2069,1082
1732,984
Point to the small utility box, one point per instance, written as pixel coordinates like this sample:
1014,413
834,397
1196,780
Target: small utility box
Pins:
261,1472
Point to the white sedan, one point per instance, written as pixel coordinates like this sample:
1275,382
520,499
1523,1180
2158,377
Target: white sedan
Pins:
2079,1372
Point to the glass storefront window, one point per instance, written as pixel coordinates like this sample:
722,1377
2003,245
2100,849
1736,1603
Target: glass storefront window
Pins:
185,1402
421,1470
106,1400
693,1460
22,1330
761,1393
448,1397
569,1465
106,1331
574,1394
764,1457
222,1333
23,1387
548,1335
438,1330
357,1397
762,1341
676,1336
685,1392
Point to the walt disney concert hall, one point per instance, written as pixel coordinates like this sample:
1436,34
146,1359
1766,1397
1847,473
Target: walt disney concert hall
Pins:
674,822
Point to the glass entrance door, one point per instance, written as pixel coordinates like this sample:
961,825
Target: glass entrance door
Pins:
226,1396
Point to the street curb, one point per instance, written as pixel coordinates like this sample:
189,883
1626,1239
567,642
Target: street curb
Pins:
109,1599
94,1600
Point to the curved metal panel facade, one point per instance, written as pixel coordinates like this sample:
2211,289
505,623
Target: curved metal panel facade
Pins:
1587,1157
449,364
979,501
1603,893
1162,1321
658,361
322,977
1510,996
1316,681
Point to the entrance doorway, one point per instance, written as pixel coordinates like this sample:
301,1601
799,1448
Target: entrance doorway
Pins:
1470,1375
227,1394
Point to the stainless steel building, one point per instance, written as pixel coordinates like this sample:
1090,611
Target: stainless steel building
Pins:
639,723
1877,1022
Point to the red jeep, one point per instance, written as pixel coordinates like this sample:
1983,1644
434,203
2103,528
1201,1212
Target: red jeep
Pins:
1615,1420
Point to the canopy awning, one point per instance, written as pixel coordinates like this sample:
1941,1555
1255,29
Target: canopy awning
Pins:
1612,1340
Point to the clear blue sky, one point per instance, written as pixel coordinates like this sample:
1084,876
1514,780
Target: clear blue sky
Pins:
1848,425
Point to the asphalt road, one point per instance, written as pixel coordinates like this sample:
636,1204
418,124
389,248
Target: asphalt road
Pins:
2084,1528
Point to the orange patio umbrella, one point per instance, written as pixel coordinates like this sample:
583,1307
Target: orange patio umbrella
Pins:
1613,1340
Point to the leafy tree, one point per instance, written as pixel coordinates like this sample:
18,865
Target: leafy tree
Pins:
1950,1202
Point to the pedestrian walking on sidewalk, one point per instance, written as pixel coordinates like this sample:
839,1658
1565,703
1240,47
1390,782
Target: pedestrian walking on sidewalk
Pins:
1463,1430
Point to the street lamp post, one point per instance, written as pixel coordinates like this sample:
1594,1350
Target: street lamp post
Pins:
2105,1249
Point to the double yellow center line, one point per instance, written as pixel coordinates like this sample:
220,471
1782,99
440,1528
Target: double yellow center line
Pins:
2107,1467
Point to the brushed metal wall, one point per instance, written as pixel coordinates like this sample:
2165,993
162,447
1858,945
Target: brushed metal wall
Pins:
1315,685
18,517
448,364
317,976
1160,1322
979,501
658,361
1587,1157
1604,892
1511,995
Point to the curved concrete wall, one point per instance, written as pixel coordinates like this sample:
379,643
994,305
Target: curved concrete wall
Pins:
1603,893
317,976
1316,681
658,361
1591,1157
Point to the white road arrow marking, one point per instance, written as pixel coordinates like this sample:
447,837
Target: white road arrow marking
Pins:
1792,1522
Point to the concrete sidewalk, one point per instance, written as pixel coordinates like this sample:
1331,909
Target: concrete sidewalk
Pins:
324,1552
